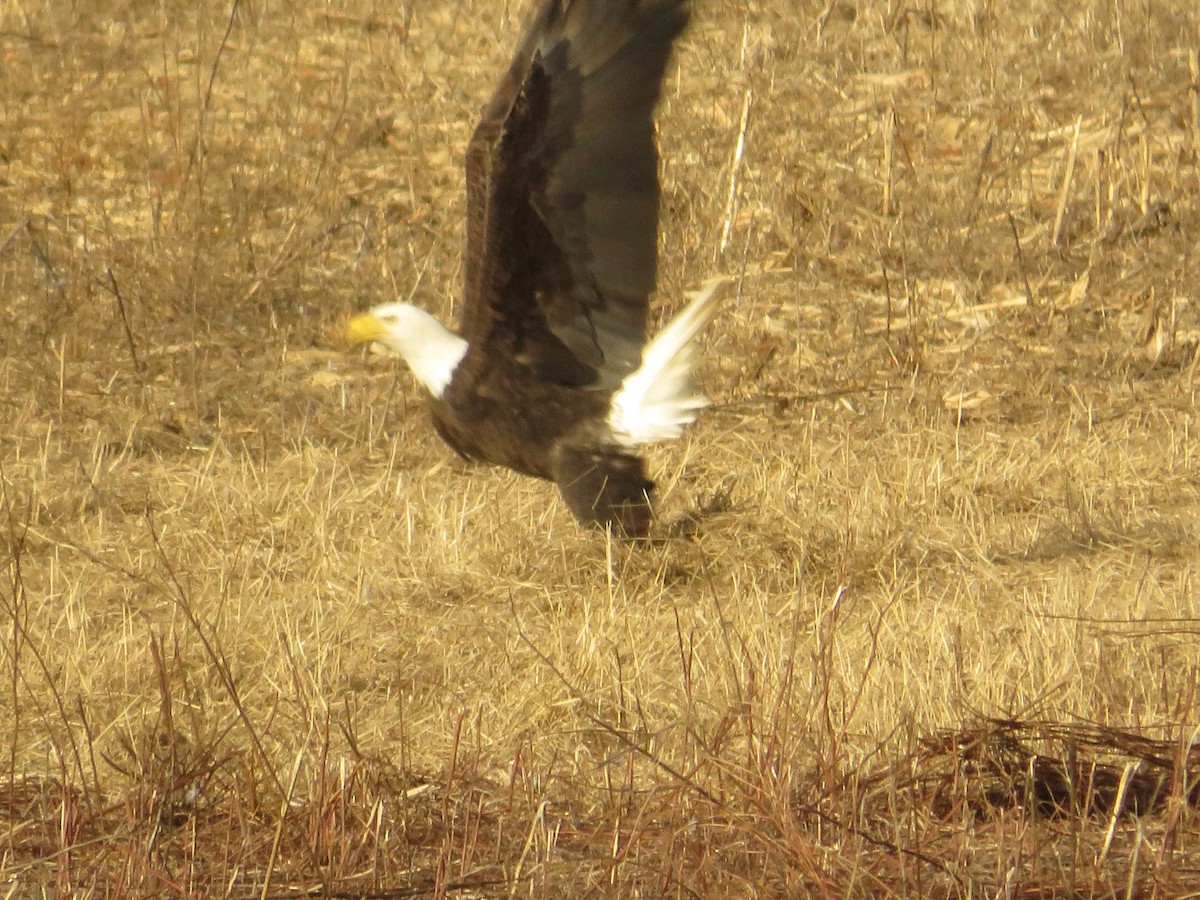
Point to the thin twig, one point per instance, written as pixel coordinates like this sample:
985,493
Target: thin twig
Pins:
284,803
1194,71
43,258
1021,260
116,292
197,144
985,153
12,233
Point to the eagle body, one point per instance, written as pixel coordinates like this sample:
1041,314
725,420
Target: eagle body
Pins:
550,372
480,422
557,434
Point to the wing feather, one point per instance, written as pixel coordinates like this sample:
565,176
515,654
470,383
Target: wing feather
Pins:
563,195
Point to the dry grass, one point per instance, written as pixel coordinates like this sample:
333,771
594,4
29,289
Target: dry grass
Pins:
264,636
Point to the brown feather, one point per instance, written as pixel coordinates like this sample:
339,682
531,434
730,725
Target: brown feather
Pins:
563,193
605,486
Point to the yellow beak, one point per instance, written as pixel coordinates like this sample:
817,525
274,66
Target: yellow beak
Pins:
364,329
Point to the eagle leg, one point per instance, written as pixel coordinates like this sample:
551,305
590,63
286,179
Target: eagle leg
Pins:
604,486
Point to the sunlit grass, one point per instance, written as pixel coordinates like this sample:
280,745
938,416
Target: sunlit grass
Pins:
262,631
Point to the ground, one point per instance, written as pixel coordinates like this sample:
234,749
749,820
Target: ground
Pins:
919,614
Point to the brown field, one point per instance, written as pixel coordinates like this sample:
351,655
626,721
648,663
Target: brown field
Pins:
921,614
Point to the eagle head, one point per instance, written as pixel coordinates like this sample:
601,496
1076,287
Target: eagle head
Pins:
431,350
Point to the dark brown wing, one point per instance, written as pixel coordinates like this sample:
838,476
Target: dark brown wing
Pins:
562,195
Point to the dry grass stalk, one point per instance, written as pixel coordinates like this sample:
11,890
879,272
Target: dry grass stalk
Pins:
735,168
889,146
1194,71
1064,191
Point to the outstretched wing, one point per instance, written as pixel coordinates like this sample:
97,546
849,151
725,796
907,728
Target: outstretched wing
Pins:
562,194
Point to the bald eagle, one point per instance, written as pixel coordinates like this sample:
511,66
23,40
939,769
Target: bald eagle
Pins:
550,372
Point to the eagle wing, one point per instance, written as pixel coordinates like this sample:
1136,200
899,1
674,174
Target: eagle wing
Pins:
563,195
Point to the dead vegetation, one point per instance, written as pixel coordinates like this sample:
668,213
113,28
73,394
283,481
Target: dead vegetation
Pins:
920,619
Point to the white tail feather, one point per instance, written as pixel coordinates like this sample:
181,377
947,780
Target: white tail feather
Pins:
655,402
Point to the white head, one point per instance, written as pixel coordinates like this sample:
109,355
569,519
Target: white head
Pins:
431,350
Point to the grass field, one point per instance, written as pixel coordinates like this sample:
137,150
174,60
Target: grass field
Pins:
920,617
